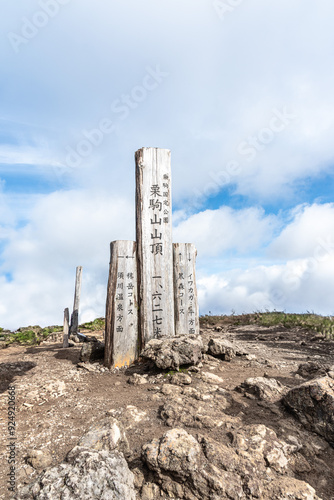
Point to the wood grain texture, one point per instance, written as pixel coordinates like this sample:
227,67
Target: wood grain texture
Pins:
185,290
154,243
121,330
66,327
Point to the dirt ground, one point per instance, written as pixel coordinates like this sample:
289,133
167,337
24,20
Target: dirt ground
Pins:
56,402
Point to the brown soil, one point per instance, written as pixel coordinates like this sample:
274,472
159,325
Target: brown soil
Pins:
52,416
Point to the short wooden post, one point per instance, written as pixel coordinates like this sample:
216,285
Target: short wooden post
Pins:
75,314
185,291
154,243
66,327
121,329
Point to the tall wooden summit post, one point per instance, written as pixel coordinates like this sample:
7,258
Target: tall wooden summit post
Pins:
154,244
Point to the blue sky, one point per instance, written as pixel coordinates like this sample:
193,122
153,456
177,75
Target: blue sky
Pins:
240,92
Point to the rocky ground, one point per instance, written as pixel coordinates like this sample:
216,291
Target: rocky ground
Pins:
232,423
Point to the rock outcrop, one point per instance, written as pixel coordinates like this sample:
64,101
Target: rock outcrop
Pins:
265,389
174,352
92,351
313,404
95,469
86,475
190,468
221,348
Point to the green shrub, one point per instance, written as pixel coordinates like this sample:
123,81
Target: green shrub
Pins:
97,324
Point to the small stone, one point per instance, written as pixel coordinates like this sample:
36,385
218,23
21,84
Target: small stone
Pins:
181,379
211,378
39,459
107,434
139,478
137,379
150,491
169,389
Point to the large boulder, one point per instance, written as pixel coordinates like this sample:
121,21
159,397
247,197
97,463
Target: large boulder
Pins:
95,469
174,352
221,348
312,369
265,389
87,475
313,404
92,351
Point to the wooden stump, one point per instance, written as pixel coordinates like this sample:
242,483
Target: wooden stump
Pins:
66,327
121,331
185,291
154,243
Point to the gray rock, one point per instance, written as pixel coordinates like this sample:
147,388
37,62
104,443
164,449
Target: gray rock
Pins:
211,378
266,389
181,379
87,475
137,379
176,451
287,488
150,491
186,410
92,351
107,434
312,369
313,404
222,348
174,352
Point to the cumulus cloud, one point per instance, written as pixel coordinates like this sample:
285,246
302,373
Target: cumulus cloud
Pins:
298,275
309,234
65,229
298,286
216,232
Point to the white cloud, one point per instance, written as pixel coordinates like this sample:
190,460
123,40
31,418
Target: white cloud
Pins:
308,235
65,229
217,231
297,286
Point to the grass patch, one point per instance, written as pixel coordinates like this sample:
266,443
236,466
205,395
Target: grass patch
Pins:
173,372
97,324
29,335
309,321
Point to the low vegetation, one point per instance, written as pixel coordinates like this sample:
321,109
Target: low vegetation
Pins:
309,321
97,324
34,335
30,335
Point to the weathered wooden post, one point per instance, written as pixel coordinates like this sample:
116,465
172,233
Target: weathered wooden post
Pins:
154,243
121,331
185,291
75,314
66,327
